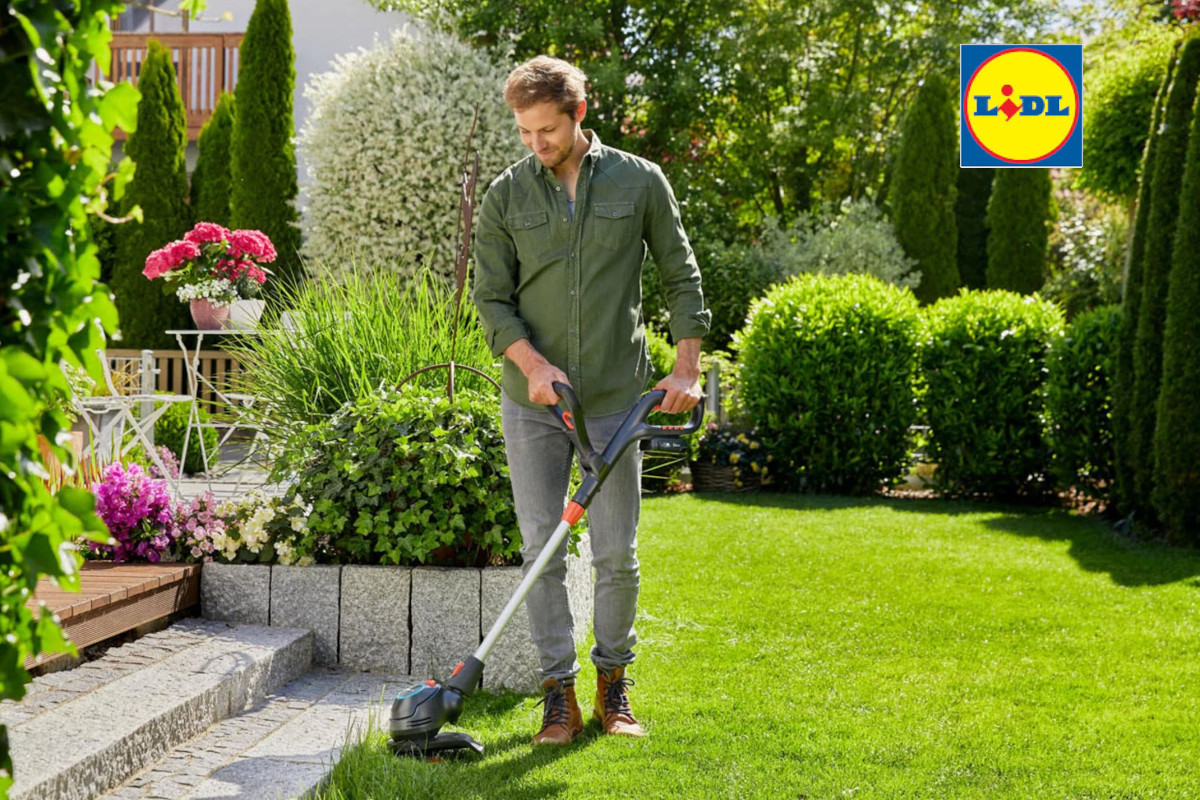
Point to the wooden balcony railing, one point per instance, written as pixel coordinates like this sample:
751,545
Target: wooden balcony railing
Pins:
206,64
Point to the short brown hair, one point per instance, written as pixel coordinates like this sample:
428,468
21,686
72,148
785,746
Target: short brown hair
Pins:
545,80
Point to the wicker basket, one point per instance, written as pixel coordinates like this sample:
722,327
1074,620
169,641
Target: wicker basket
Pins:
713,478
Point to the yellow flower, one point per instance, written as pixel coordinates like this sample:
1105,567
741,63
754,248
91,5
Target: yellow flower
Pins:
737,484
741,437
754,466
734,457
754,445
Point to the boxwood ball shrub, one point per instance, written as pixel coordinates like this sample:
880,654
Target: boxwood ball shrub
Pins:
827,368
1079,385
983,362
410,478
384,145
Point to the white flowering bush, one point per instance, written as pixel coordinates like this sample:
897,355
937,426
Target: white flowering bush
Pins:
384,146
254,529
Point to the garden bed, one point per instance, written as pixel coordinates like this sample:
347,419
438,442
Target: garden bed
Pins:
418,620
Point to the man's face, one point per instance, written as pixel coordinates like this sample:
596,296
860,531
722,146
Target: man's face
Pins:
548,132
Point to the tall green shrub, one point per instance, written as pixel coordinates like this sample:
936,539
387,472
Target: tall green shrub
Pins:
1176,492
263,195
970,213
983,363
1018,230
1122,416
826,372
1079,383
923,189
1160,238
1120,92
160,187
211,180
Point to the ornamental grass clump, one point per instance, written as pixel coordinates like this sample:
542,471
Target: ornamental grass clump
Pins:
139,513
343,341
826,374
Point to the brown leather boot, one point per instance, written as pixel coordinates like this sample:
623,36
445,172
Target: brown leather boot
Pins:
611,708
562,720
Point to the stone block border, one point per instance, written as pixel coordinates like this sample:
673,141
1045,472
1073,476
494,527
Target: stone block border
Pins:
415,620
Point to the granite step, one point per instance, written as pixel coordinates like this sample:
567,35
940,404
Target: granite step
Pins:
283,747
82,732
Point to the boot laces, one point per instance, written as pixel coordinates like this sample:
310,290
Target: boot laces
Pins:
556,710
616,697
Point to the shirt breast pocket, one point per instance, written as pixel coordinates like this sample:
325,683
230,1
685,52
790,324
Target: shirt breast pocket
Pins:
616,225
530,233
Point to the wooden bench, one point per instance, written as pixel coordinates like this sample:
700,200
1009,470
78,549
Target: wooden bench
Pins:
115,598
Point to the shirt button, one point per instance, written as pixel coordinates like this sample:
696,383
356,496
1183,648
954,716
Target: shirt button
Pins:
572,292
527,223
564,219
558,188
614,213
573,370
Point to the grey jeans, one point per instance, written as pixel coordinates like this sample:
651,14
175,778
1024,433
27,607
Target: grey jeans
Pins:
539,463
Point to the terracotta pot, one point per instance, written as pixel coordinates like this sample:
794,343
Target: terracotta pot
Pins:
208,317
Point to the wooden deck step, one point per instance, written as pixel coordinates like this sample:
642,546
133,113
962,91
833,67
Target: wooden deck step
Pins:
115,598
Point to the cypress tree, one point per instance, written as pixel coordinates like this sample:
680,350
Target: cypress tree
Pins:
970,211
1018,230
264,187
1176,493
210,179
1122,412
923,190
160,187
1156,264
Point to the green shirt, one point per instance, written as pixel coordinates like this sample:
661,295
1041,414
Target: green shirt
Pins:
572,284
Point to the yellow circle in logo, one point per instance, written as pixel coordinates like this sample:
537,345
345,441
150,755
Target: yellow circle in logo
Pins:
1021,105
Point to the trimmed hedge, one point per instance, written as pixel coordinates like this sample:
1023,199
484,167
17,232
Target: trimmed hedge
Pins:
1018,230
1156,263
1176,494
1079,388
1123,489
827,368
983,360
211,180
923,189
263,195
160,187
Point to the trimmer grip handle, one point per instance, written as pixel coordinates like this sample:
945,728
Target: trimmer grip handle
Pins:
650,403
570,414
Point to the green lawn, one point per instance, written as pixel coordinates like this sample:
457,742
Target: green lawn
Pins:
817,647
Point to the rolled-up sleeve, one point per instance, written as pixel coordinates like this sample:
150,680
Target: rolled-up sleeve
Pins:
496,275
677,268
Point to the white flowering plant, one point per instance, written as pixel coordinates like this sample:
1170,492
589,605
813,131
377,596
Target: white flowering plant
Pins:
255,529
384,147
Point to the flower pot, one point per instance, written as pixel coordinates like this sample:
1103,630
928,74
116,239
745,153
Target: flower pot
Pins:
245,314
206,316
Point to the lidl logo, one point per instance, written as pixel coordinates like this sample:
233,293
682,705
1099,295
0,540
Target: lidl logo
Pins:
1021,105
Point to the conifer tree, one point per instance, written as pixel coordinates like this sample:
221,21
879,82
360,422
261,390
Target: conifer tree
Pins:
923,189
160,187
211,178
1122,410
263,194
1156,264
970,211
1176,492
1018,229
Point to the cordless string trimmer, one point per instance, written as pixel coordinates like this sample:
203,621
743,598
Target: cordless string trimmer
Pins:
419,712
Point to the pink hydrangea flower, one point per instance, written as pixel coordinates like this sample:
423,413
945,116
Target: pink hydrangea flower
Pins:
205,232
251,243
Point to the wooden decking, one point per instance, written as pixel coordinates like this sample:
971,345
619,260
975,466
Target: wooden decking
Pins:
115,598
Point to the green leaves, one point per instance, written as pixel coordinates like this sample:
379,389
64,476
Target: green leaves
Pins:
409,478
827,369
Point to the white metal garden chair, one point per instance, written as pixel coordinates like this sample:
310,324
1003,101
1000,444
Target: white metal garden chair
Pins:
109,416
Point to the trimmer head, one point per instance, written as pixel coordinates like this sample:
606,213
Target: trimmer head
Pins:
420,711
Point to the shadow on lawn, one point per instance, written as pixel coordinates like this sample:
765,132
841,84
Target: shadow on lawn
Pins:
1095,546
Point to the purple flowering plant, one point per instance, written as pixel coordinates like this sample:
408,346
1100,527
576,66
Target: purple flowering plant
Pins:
139,513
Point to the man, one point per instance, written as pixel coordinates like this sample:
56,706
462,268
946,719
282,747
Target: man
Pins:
561,238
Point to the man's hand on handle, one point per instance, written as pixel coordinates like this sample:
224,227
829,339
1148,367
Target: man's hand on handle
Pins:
539,372
683,384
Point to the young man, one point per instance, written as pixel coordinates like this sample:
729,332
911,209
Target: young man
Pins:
560,242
